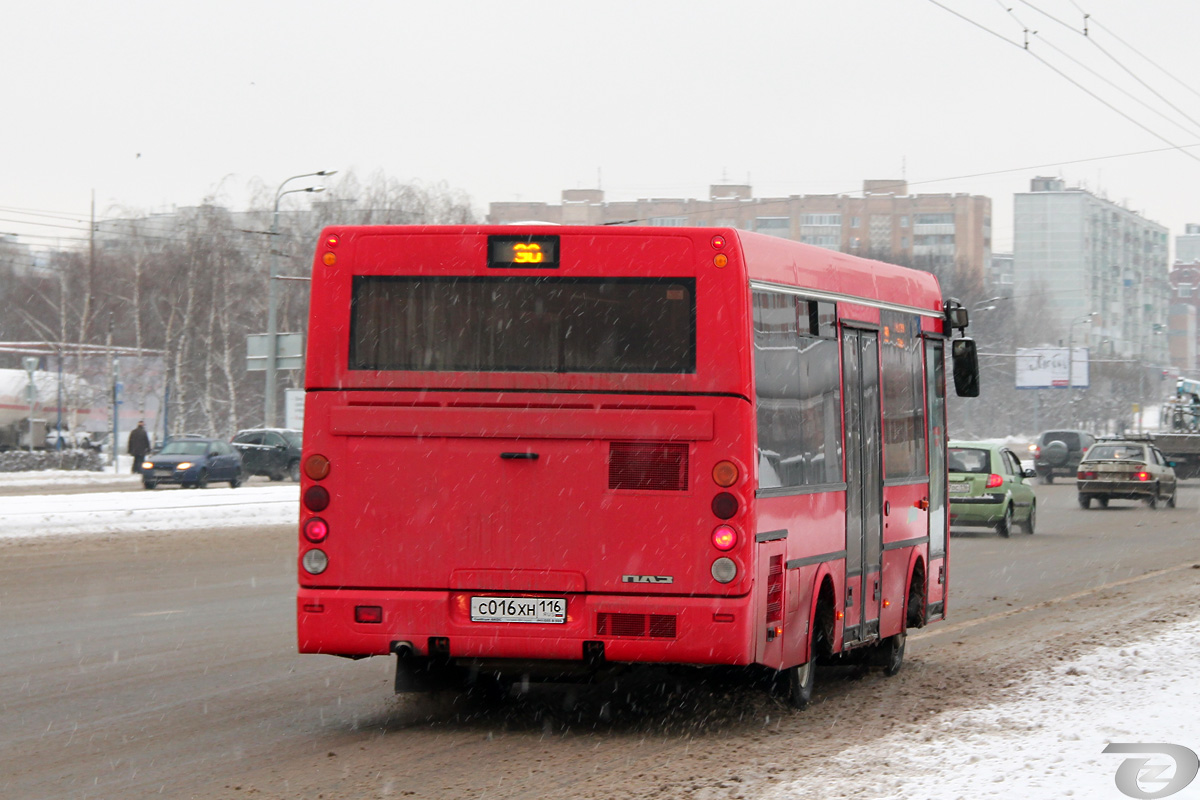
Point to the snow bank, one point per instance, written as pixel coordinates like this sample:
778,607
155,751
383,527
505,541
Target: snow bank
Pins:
1047,742
93,513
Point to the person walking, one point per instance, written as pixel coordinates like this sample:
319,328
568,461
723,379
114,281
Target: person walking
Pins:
139,445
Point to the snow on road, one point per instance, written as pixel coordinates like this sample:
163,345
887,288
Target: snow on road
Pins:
1045,741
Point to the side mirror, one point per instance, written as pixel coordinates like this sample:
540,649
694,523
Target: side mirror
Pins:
966,367
1030,473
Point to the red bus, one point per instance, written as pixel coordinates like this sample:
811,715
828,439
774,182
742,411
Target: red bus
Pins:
537,450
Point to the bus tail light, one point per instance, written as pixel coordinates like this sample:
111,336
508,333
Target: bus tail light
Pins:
316,530
316,466
724,538
994,481
725,474
316,498
724,505
315,562
371,614
724,570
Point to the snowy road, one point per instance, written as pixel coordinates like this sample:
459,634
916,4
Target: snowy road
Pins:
137,665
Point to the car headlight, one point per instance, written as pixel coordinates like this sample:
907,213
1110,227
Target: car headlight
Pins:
183,465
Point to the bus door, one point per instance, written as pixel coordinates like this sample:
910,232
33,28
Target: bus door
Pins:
935,393
864,484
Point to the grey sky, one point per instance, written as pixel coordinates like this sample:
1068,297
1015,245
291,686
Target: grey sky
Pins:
519,100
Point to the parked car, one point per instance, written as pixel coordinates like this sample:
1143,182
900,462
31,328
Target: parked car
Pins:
1057,453
1128,469
988,487
193,462
274,452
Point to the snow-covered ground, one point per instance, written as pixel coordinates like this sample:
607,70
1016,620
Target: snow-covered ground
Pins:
1044,742
105,512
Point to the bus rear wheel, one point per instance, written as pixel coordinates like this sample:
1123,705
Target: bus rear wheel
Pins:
800,680
891,653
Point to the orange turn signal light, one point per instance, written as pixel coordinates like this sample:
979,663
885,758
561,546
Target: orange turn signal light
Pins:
725,474
316,466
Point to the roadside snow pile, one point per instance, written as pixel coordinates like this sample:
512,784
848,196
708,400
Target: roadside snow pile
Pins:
41,460
92,513
1046,743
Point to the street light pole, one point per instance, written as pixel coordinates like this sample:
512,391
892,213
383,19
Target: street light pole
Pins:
1071,359
272,321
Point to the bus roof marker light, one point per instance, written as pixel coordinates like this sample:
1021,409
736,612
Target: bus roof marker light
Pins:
718,242
332,240
329,259
720,259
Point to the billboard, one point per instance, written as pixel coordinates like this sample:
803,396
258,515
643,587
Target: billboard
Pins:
1049,368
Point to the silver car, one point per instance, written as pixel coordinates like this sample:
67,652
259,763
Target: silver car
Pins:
1126,469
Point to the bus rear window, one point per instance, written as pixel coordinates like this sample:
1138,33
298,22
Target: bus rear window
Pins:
523,324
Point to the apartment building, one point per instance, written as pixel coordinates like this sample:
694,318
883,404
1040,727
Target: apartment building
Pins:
1100,268
949,234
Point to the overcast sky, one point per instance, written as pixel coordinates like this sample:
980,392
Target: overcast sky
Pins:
154,104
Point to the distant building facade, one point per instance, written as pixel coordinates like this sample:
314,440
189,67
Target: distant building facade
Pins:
950,234
1185,306
1187,244
1101,268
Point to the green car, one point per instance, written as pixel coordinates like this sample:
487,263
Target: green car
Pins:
988,487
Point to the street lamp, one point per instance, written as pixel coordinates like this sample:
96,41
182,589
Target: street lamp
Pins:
272,324
1071,348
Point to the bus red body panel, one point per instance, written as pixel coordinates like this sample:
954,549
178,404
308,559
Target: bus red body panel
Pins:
661,440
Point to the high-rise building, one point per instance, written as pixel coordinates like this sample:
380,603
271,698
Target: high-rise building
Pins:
1187,244
1100,268
948,234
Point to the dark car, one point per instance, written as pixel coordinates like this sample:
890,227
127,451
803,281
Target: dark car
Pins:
1057,453
274,452
193,462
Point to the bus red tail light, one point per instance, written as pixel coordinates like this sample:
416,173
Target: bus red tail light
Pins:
316,530
316,498
316,466
371,614
724,505
1144,476
724,538
994,481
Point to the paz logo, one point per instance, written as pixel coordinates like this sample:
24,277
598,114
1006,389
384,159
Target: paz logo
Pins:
1137,772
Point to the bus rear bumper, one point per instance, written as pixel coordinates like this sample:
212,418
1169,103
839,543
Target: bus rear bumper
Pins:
677,630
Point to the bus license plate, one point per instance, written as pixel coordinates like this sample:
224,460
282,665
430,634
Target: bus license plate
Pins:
960,488
519,609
